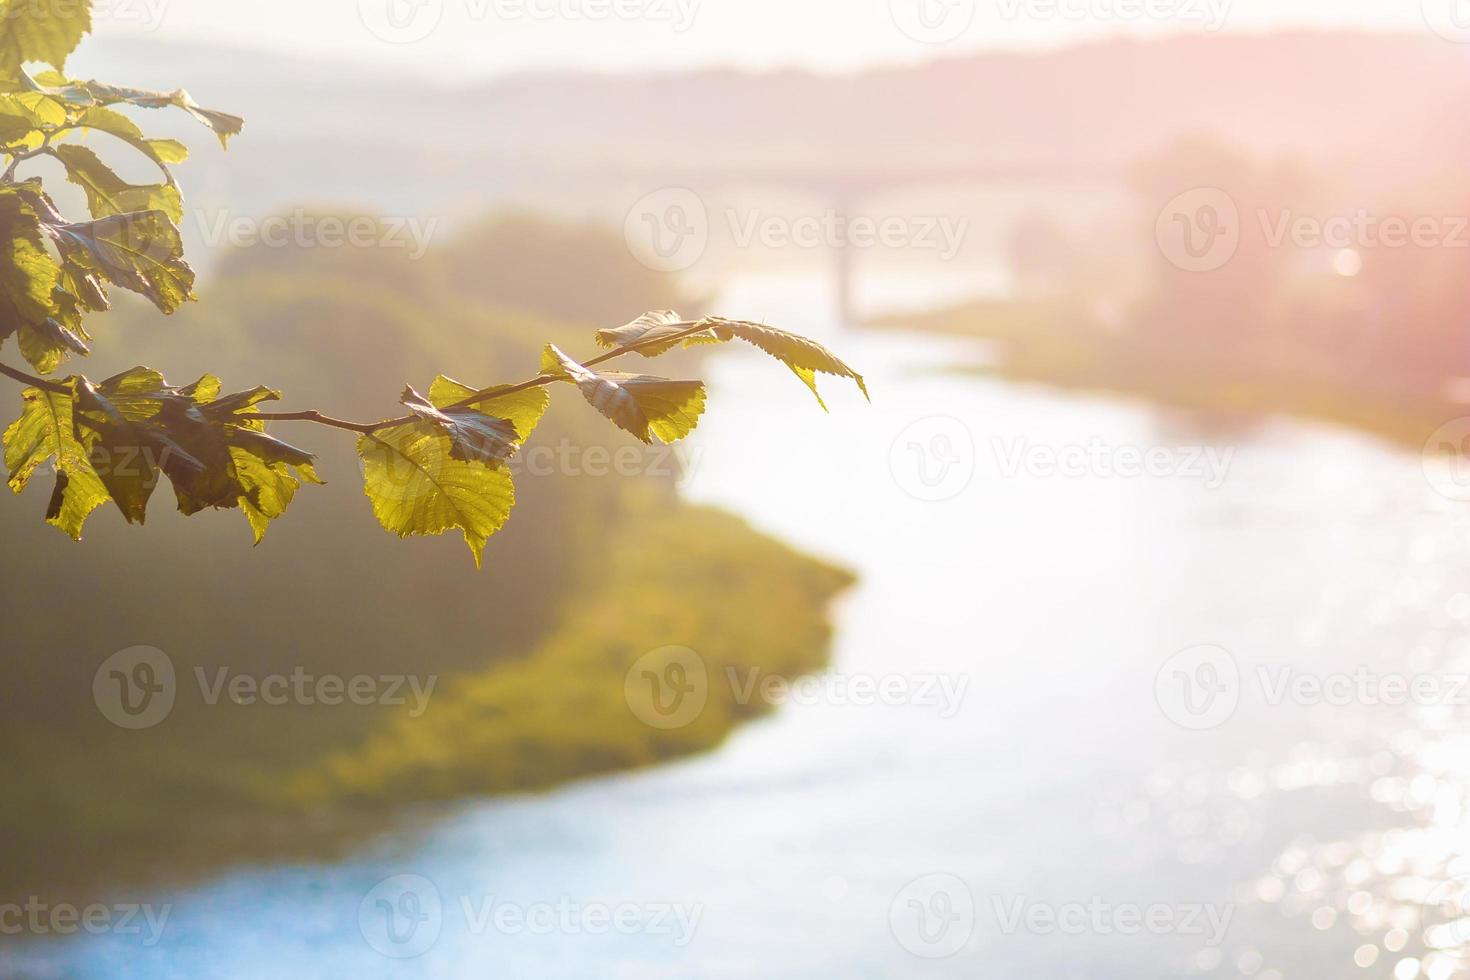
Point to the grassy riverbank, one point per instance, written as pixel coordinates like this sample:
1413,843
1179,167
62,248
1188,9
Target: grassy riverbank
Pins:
1053,343
508,679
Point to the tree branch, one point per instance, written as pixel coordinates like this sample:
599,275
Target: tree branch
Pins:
33,381
485,394
689,329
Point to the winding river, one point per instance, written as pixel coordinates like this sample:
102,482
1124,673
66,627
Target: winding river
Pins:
1065,732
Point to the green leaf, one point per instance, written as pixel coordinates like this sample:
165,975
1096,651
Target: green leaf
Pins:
34,301
47,345
161,152
32,31
28,273
108,194
806,358
418,487
214,454
46,431
521,408
643,406
92,94
473,435
142,251
42,110
652,332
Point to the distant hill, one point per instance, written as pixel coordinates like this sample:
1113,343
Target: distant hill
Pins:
1345,103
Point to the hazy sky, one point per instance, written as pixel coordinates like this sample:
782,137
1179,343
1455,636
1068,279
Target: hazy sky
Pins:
490,36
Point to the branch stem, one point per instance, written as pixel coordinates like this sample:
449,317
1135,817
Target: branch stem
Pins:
687,329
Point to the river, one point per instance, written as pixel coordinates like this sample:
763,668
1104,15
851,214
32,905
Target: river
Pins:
1092,754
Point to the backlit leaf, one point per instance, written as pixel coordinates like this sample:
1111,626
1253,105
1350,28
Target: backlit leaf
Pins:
161,152
644,406
141,252
32,31
473,435
108,194
45,432
522,409
652,333
806,358
418,487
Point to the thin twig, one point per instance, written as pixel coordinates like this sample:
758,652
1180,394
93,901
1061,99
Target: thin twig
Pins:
485,394
368,428
32,380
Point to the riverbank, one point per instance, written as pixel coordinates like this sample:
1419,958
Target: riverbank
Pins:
1058,346
296,785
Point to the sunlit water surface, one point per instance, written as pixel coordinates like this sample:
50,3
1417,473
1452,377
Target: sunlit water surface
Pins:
900,840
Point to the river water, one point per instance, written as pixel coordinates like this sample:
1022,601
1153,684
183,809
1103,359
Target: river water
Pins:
1097,753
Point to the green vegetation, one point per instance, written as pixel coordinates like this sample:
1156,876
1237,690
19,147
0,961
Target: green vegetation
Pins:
528,658
1054,344
1367,337
441,467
